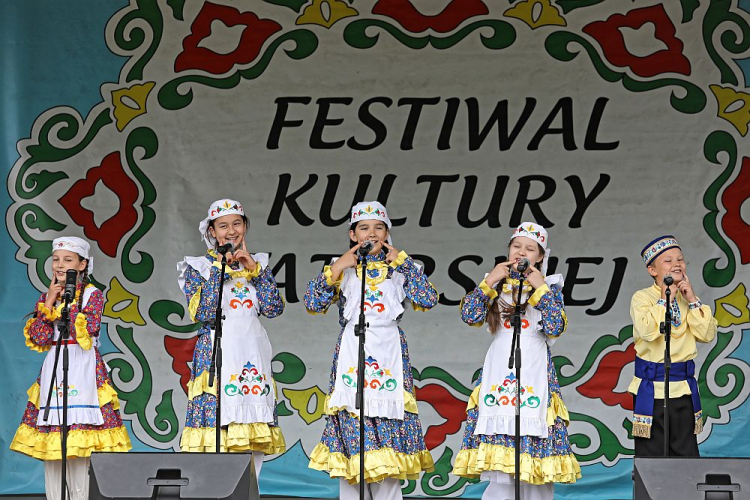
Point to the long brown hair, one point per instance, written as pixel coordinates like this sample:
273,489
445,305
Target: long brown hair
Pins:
500,310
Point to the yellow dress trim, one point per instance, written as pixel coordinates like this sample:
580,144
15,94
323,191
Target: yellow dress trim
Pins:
329,278
537,295
410,405
199,385
106,394
419,308
555,469
402,256
489,292
30,343
556,408
82,334
47,446
379,464
242,437
50,315
195,301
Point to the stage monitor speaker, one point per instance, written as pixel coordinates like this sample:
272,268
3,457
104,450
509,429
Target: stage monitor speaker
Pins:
688,478
126,476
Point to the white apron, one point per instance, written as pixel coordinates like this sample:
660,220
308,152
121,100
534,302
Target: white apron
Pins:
384,377
83,398
247,392
497,395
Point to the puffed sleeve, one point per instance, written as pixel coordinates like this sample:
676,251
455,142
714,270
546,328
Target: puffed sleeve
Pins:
39,330
418,289
202,294
270,301
322,291
88,321
549,300
475,305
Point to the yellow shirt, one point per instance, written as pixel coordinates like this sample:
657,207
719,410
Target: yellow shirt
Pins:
698,325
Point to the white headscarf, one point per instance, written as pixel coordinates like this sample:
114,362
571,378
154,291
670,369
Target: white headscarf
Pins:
219,208
371,210
537,233
75,245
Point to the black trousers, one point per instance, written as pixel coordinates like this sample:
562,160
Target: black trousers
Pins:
682,439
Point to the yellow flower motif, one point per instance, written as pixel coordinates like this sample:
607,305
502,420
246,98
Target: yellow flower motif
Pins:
233,377
529,389
300,401
726,99
737,301
130,103
546,15
121,304
338,10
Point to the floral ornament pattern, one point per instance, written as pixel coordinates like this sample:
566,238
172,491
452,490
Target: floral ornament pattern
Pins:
505,394
338,10
112,175
411,19
727,98
609,36
548,15
248,382
255,33
376,377
130,103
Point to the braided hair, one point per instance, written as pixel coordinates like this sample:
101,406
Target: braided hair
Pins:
84,284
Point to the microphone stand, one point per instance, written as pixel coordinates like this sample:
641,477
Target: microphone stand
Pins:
216,355
359,331
62,340
515,361
666,329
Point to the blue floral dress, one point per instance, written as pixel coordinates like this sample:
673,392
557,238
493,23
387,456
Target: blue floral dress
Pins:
394,448
543,460
199,280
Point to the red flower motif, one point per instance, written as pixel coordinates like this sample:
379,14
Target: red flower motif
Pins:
181,351
734,196
256,32
609,36
452,409
113,176
604,381
412,20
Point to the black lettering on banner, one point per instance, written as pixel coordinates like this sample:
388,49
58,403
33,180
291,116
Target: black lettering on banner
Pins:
564,105
444,139
582,201
370,121
492,216
288,262
332,186
522,200
572,279
325,258
621,263
280,121
460,278
384,193
498,117
283,197
322,121
436,181
590,143
415,111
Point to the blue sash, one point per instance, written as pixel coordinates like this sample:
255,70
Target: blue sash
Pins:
650,372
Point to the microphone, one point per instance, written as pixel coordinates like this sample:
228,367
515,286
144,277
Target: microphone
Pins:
668,280
71,278
523,265
225,248
366,248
